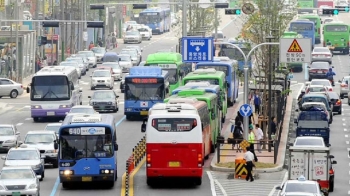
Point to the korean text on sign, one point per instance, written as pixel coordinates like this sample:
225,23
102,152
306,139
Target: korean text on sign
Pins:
295,57
200,56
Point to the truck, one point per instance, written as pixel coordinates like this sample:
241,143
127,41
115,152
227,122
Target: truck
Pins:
314,128
314,163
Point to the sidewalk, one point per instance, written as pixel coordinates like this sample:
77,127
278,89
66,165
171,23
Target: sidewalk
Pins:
264,157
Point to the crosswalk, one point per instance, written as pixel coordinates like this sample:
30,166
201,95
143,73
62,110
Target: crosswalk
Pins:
265,185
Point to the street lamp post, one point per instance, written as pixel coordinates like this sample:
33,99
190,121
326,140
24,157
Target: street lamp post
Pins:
269,39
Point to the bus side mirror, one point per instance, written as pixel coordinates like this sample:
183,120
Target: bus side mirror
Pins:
143,128
28,89
55,145
115,147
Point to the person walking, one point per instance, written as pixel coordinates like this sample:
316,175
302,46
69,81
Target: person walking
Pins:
114,41
257,102
237,132
249,157
251,140
259,136
91,45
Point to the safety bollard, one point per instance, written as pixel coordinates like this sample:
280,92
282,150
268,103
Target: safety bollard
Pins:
127,178
134,155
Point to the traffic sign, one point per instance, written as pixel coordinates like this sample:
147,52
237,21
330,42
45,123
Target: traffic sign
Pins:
197,49
248,8
245,110
295,50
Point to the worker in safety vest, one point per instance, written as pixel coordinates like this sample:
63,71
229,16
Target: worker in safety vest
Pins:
251,140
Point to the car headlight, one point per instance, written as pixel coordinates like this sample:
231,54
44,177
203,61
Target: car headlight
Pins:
32,186
108,80
64,106
36,166
10,141
2,188
50,151
36,106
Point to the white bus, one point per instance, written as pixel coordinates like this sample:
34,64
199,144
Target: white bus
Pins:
53,91
175,142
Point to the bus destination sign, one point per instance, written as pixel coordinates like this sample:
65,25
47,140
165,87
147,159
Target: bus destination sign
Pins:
87,131
144,80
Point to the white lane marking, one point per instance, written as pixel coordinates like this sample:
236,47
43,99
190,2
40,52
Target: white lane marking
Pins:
346,135
344,124
212,185
272,192
19,124
27,106
28,119
345,130
347,142
301,88
221,188
343,119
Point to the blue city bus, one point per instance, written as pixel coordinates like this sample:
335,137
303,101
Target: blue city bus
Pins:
87,150
234,53
304,27
232,79
144,87
158,19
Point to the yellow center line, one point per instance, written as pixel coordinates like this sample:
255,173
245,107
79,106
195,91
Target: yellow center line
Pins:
122,191
131,179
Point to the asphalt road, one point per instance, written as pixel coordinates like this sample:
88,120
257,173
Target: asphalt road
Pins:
339,138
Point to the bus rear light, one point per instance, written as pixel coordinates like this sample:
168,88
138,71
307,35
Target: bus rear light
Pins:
331,172
148,158
344,85
200,159
194,123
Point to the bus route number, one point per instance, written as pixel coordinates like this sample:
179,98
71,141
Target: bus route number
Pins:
74,131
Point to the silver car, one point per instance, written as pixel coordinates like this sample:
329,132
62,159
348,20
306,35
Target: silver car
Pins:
344,86
19,181
85,60
10,88
9,136
133,54
322,54
125,62
91,57
80,62
132,37
53,127
117,69
99,53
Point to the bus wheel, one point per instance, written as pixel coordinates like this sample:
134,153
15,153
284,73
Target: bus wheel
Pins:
36,119
150,182
128,117
198,181
65,185
331,184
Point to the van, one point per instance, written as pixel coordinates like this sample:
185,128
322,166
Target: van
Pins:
110,57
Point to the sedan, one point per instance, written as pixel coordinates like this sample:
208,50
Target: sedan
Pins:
85,60
318,70
322,54
9,136
145,33
19,181
80,62
90,56
133,54
117,69
291,187
132,36
344,86
125,62
336,101
104,100
53,127
10,88
82,109
316,89
323,82
99,53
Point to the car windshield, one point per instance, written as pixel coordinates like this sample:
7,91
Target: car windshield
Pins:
320,65
124,58
309,142
321,50
69,64
22,155
301,187
98,50
54,128
320,82
133,33
317,89
133,48
82,110
10,174
143,30
4,131
103,95
79,60
111,65
101,74
88,54
39,138
129,52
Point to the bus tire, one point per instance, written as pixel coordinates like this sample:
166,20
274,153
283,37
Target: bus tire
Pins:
150,182
331,184
36,119
55,164
198,181
65,185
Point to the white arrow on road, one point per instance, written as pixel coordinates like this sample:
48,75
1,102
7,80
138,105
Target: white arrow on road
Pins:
198,49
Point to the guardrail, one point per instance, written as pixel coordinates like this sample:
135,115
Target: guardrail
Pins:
138,153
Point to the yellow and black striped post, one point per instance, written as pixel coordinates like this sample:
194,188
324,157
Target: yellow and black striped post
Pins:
240,169
127,178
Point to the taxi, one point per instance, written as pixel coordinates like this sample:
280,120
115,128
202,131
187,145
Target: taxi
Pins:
301,185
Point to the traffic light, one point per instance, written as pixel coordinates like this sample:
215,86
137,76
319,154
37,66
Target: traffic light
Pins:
139,6
342,8
97,7
50,24
43,40
221,5
95,24
233,11
330,11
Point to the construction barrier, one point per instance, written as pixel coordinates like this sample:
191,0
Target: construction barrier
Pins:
240,169
138,153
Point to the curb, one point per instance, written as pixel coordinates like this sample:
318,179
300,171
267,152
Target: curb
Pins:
280,165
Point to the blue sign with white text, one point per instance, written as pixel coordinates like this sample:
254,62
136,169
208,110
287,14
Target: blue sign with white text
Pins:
245,110
197,49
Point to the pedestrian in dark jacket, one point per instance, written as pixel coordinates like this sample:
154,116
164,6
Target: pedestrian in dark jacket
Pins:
257,102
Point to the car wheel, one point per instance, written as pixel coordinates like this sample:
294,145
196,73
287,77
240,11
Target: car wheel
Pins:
339,112
14,94
36,119
0,97
42,177
92,88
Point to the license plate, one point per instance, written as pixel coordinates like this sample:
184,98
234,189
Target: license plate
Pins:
319,72
86,179
144,113
174,164
16,194
50,113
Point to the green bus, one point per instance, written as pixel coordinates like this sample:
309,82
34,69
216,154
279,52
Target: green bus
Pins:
171,62
292,34
212,101
306,6
317,20
336,36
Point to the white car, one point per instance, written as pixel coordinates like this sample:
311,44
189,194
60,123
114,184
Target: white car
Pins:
9,136
99,53
80,62
309,141
91,57
132,36
117,69
295,187
82,109
323,82
72,64
10,88
145,33
125,62
53,127
101,79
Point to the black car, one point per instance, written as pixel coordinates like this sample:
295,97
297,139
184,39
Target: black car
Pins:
104,100
318,70
336,101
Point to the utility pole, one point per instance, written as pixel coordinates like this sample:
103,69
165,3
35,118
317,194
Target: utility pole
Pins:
37,24
17,24
270,72
43,30
81,25
62,34
184,18
84,26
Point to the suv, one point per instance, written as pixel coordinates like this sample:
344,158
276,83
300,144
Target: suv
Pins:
344,86
25,156
46,142
102,78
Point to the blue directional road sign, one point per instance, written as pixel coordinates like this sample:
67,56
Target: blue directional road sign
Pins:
197,49
245,110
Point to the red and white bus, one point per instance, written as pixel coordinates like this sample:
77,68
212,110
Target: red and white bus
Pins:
177,140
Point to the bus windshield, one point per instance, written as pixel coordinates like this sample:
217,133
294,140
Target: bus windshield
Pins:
174,124
47,88
211,81
222,68
297,27
144,92
172,75
148,18
73,147
337,28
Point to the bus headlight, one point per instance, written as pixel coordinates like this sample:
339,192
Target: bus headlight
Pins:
66,172
64,106
106,171
36,107
129,109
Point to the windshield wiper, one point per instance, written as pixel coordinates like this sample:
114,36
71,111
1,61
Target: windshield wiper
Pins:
50,91
147,95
